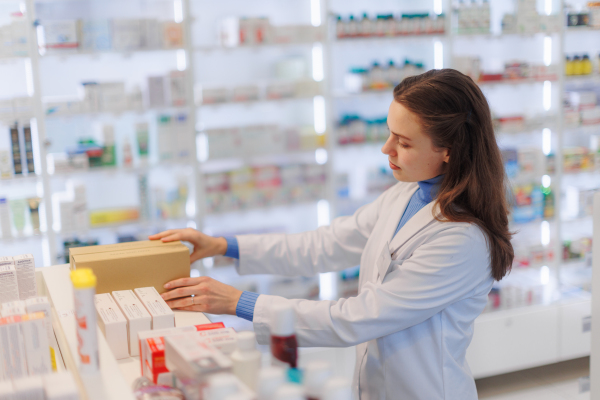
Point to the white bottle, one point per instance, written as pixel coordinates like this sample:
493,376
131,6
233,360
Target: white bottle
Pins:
316,375
289,391
246,359
5,225
269,380
337,389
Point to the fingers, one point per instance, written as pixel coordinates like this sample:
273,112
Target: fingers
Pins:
185,282
184,302
180,292
161,235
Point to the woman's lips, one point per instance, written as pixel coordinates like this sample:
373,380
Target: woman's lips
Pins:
393,166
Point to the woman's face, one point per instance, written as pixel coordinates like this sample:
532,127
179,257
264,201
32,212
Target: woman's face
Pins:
410,152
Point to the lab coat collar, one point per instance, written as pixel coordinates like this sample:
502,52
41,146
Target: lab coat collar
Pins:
419,221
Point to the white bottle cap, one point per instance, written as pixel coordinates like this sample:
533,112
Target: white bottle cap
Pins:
221,385
284,320
289,392
316,375
337,389
269,380
246,341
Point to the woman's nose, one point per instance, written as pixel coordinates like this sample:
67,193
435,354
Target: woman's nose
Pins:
388,149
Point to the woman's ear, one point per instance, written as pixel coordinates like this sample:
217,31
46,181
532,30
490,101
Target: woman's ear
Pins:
446,158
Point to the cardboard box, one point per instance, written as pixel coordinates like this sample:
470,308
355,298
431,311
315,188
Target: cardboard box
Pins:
16,307
37,348
138,319
30,388
25,266
224,340
152,348
9,289
113,325
190,356
41,304
162,315
128,269
13,347
105,248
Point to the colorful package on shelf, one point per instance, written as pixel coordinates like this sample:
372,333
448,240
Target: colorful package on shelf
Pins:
172,35
96,35
473,18
528,203
355,129
533,256
103,217
577,249
577,159
511,162
126,34
387,25
61,34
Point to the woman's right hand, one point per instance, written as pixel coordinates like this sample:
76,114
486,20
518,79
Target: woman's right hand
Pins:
204,245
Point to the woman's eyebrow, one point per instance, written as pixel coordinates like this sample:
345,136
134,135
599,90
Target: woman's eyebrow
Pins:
399,135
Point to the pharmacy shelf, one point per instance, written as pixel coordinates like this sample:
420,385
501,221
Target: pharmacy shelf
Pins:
115,113
387,39
97,53
253,48
110,170
21,180
571,29
251,103
229,164
582,79
515,82
503,35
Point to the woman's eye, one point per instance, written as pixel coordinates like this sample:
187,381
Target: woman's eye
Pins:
404,146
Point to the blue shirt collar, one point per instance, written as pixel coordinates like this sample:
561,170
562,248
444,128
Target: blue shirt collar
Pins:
429,188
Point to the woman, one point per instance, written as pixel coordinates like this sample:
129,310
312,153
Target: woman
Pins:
429,250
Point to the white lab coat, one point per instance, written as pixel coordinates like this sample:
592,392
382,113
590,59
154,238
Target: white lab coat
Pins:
412,320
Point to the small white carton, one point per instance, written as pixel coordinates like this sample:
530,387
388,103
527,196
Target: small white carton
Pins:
162,315
13,347
41,304
25,266
37,349
224,339
15,307
30,388
7,391
113,325
138,319
9,289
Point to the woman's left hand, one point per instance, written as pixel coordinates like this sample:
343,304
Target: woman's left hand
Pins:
210,296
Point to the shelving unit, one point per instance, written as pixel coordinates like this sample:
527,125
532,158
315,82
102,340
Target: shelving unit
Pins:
354,169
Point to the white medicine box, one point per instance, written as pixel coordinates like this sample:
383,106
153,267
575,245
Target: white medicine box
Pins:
113,325
138,319
162,315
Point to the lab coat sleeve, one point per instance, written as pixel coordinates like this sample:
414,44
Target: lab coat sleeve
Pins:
452,265
329,248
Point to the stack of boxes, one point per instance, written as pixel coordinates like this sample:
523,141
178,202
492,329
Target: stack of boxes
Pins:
473,17
528,21
234,31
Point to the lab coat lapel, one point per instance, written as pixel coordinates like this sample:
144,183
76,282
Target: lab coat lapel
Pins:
412,227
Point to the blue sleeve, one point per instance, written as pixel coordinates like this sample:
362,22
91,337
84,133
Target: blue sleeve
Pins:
233,250
245,305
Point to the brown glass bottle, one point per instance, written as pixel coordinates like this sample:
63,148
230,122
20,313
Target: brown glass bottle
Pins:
285,349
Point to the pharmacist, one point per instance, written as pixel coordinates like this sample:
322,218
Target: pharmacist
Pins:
429,249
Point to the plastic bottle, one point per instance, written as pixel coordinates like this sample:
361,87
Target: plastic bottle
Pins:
127,154
84,289
269,380
586,65
220,386
340,28
351,27
246,359
145,389
316,375
577,66
377,78
289,392
284,347
337,389
568,66
366,26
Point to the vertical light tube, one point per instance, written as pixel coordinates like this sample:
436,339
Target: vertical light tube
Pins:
328,286
319,114
178,11
322,213
545,236
547,95
438,55
546,141
547,50
548,7
317,62
437,7
315,12
29,77
545,275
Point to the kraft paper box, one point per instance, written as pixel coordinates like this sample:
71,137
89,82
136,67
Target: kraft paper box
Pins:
105,248
141,267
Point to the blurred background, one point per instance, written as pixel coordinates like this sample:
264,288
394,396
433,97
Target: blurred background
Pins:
119,119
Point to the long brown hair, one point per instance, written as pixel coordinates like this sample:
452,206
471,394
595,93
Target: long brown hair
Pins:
455,114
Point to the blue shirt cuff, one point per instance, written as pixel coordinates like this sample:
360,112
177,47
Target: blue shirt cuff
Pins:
233,250
245,305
